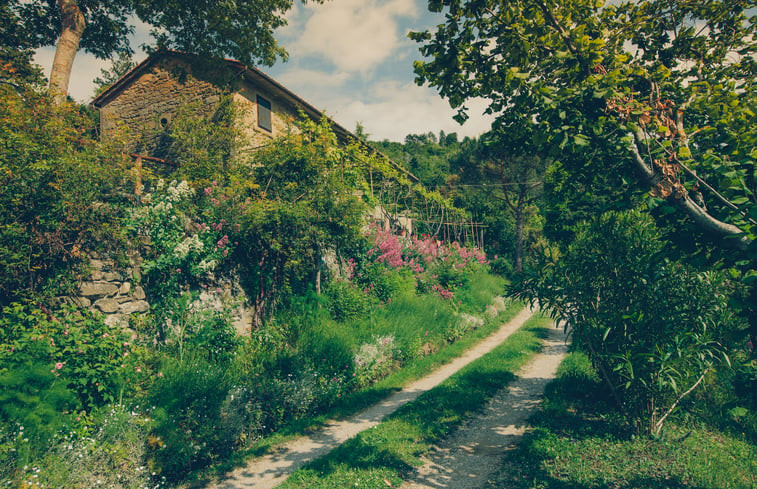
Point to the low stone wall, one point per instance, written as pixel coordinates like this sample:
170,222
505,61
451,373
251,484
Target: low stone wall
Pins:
112,291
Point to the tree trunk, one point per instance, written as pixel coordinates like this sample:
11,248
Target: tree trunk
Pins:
72,28
519,240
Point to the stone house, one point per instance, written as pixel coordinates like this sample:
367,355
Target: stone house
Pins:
149,96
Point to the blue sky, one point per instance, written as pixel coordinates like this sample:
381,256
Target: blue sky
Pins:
350,58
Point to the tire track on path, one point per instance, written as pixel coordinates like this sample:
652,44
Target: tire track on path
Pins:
467,458
273,469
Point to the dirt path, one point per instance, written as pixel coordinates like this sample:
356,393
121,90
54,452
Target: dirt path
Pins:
272,469
476,449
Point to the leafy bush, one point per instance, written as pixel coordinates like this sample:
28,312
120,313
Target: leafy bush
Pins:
188,243
652,328
75,345
346,301
59,194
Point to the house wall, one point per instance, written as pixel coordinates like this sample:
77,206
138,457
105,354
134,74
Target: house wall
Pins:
136,113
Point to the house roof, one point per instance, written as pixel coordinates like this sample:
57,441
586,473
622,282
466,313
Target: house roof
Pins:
251,74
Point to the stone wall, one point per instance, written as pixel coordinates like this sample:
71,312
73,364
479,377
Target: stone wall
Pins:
115,292
112,291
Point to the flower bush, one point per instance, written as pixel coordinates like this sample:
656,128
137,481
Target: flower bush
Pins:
187,242
435,266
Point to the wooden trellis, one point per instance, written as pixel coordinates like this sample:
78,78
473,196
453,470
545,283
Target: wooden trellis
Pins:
400,203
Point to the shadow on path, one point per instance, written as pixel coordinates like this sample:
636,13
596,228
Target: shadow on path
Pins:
273,468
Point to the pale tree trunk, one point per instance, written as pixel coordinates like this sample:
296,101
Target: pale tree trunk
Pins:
519,239
72,28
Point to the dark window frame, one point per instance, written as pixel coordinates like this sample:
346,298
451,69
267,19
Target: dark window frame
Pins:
264,113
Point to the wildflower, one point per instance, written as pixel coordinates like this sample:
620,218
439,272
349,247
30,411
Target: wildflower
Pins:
58,365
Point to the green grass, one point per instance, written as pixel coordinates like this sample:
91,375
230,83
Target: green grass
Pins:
390,450
408,319
578,442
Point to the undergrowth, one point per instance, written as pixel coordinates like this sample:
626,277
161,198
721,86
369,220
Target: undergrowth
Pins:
579,441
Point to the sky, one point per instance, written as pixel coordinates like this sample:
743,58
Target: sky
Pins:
349,58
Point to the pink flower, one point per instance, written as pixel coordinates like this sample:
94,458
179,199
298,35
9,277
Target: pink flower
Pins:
58,365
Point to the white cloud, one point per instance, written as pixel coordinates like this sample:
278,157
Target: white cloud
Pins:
312,81
354,35
406,109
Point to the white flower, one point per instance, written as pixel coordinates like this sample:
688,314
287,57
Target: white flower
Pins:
207,265
192,243
177,192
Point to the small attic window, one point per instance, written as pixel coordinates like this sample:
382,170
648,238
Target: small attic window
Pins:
264,114
164,120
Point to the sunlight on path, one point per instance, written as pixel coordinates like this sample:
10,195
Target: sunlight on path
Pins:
475,451
272,469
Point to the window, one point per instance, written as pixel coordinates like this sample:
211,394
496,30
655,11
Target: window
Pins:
264,114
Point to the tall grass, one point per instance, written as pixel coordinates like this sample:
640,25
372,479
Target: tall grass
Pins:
382,456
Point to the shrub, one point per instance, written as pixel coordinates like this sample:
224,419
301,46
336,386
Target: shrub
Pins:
60,194
189,427
346,301
652,328
75,345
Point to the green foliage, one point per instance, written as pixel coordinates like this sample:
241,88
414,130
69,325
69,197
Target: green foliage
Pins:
307,207
33,401
187,243
244,32
59,194
121,66
423,156
206,147
637,104
346,301
189,420
81,351
107,451
652,328
578,441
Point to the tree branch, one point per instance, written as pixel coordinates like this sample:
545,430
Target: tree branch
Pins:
700,217
658,424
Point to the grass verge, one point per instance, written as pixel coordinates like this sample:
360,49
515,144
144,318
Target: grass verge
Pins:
354,402
382,455
578,442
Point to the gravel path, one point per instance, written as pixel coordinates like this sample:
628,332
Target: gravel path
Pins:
272,469
476,449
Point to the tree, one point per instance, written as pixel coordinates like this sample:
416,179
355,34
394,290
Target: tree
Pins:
121,66
653,328
651,101
666,87
518,168
243,30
